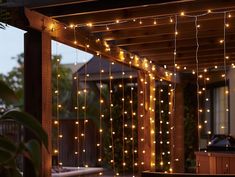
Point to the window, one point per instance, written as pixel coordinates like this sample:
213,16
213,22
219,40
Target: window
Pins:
216,114
220,111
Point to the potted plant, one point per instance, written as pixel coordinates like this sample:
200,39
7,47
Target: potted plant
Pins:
11,150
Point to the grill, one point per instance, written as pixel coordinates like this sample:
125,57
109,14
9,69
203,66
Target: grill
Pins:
222,143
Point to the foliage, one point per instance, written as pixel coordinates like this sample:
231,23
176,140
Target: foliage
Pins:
162,109
64,85
117,113
11,150
93,111
190,125
15,78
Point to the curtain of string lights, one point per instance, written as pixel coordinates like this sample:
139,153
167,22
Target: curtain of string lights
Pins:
172,19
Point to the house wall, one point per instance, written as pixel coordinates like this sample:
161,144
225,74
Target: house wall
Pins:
68,144
231,76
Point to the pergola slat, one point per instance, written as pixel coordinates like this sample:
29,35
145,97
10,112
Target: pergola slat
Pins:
84,41
198,6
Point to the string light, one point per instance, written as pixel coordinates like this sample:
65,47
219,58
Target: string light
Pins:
117,21
58,108
155,22
110,118
182,13
100,114
132,121
77,112
76,78
225,65
174,85
160,128
142,116
197,75
89,24
85,121
123,121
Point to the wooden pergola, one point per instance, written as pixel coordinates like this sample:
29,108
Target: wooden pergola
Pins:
140,32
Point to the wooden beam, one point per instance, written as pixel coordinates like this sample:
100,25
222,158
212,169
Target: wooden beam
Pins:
199,6
169,37
88,43
37,91
149,22
215,42
91,7
183,29
51,3
177,133
191,59
146,146
186,49
192,66
187,55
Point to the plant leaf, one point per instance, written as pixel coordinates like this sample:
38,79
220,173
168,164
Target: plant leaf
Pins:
5,156
10,172
34,150
16,173
29,122
7,94
7,145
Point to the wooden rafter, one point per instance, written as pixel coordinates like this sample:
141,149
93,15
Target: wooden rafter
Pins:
150,22
92,7
87,42
198,6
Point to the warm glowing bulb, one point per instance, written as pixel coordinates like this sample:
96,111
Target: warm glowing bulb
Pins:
182,13
89,24
155,22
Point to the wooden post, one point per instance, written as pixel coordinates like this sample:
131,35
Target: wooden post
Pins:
177,133
152,120
37,82
146,118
